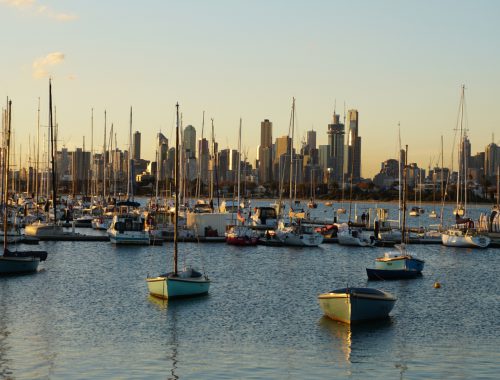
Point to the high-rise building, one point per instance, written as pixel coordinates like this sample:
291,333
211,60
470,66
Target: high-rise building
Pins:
311,141
189,141
223,160
204,157
324,157
170,164
162,146
265,151
266,133
137,146
352,154
336,131
283,145
63,163
465,157
80,168
491,159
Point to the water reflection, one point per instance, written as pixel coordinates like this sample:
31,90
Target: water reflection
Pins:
356,340
158,302
5,371
341,332
162,305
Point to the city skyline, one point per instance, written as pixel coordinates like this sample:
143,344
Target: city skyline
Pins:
393,62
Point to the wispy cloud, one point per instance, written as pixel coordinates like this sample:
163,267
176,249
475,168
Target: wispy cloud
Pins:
41,65
34,7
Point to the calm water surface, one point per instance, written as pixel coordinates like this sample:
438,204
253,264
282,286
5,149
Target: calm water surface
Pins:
87,314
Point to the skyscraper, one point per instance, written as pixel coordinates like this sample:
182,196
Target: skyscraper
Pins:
465,157
336,132
223,162
204,157
352,154
266,133
137,146
189,141
265,151
311,141
162,147
491,159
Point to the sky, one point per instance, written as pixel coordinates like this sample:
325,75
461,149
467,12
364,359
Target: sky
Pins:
396,62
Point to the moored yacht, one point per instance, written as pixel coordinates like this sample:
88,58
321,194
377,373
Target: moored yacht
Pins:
298,235
463,234
127,228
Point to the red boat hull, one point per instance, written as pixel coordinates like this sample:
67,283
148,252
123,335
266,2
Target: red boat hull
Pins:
241,240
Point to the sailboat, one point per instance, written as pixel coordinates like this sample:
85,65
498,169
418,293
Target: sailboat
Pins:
41,229
240,234
14,262
463,233
177,284
418,210
354,234
341,209
312,203
433,213
296,233
397,264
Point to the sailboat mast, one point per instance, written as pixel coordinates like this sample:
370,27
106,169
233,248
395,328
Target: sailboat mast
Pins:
176,176
239,166
291,148
460,146
498,187
37,154
6,175
104,160
442,182
403,229
28,177
52,153
399,176
200,153
129,166
115,170
92,193
213,164
110,163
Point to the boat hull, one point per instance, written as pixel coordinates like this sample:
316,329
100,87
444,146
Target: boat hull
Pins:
400,263
391,274
242,240
477,241
345,239
352,307
396,268
41,230
129,238
168,287
18,265
101,224
302,240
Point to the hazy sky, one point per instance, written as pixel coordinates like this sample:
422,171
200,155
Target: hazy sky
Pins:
393,61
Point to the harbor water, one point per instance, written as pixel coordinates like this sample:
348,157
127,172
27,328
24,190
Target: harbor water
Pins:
87,314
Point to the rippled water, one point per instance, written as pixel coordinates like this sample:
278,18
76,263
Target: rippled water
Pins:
87,314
